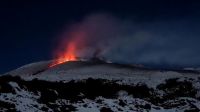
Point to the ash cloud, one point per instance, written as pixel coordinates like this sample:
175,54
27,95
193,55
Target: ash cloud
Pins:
173,42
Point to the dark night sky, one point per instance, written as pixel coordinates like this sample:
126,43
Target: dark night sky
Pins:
28,30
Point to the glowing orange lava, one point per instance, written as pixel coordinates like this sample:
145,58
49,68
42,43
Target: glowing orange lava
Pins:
67,55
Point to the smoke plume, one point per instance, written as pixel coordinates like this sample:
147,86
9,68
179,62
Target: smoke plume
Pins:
167,42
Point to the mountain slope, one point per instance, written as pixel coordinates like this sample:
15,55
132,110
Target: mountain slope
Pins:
98,86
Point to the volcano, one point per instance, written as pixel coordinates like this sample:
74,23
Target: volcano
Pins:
98,86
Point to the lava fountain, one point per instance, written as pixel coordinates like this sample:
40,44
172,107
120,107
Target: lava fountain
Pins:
67,54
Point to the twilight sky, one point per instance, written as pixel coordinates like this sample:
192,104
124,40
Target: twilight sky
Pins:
156,33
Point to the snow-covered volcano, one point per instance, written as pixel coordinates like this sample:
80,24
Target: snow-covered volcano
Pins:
98,86
78,70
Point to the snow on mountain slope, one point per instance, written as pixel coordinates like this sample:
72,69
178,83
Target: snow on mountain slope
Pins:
77,70
30,69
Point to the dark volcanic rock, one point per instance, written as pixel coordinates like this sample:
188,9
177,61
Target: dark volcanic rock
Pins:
70,96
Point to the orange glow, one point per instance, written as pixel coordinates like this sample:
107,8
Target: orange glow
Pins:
69,46
67,55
